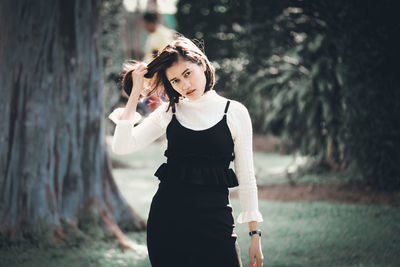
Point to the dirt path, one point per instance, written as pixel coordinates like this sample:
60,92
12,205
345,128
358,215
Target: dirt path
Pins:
332,192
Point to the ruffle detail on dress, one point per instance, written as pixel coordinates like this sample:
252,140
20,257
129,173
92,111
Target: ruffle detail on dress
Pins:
200,175
170,155
116,114
248,216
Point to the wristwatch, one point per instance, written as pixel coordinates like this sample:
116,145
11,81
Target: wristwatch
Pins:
255,232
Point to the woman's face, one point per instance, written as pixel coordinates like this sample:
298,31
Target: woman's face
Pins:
187,78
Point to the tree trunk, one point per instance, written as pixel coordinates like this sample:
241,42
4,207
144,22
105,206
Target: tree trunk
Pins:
54,166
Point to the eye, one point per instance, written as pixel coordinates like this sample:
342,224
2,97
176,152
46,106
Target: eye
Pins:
187,73
174,81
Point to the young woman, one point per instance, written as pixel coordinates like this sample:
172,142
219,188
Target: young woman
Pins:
190,221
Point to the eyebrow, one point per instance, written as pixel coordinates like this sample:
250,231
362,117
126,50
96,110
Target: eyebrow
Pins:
182,74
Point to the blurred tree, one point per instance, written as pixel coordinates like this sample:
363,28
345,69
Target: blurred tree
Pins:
112,17
55,172
370,53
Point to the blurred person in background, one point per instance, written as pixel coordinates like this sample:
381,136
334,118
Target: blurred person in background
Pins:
159,35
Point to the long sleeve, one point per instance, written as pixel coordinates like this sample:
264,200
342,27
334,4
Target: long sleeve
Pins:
128,138
243,164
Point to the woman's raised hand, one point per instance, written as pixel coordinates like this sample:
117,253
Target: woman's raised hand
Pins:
138,79
137,88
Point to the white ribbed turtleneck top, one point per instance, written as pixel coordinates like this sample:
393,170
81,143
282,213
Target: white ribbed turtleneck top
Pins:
198,114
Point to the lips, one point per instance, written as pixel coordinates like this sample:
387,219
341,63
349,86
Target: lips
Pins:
190,92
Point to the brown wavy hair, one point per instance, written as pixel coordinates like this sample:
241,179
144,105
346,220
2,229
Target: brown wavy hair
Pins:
159,83
180,47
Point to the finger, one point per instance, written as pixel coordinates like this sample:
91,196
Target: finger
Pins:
142,72
142,66
139,75
259,262
139,68
251,263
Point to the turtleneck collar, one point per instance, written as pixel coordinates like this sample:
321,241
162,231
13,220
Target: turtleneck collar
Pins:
205,97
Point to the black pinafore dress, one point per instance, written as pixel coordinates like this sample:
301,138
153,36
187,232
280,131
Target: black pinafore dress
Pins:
190,221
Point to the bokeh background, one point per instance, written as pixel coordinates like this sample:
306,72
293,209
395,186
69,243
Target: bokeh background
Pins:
320,80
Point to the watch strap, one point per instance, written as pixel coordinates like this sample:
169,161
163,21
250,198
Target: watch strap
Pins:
255,232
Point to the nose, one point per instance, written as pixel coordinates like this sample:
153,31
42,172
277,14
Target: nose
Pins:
186,85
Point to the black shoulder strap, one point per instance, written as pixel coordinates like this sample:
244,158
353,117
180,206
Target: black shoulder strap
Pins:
227,106
173,109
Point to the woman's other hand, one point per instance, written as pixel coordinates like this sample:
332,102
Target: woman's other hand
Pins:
137,87
255,251
138,79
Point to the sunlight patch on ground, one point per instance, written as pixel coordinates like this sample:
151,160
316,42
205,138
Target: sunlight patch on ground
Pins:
137,187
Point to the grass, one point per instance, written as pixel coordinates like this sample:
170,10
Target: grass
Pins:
88,254
294,233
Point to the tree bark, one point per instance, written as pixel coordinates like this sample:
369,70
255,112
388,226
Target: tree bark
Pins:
53,162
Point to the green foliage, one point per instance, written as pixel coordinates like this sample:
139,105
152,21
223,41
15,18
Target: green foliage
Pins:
300,82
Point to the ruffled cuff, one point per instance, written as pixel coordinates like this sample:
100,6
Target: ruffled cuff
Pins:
248,216
116,114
